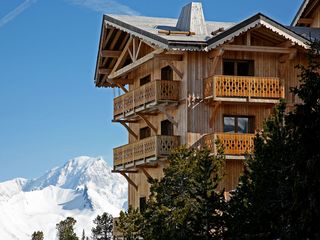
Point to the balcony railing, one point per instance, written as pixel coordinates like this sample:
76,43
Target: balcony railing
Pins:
243,88
233,143
140,152
145,97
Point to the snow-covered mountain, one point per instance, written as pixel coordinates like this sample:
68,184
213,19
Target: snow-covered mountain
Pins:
83,188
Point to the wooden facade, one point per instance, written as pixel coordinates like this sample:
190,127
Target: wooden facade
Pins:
173,96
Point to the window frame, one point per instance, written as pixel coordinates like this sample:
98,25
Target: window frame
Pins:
251,123
235,62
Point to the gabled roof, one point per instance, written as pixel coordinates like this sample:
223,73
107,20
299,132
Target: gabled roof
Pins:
147,28
306,7
177,34
252,22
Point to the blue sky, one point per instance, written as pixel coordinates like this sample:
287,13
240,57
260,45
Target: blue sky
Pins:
50,110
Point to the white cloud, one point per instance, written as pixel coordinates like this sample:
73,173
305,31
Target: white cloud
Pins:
15,12
105,6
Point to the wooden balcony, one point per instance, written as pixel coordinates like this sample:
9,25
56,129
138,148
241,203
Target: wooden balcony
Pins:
144,151
243,89
145,98
235,144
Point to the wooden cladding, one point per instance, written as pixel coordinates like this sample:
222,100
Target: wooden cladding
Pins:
243,88
233,143
137,153
145,96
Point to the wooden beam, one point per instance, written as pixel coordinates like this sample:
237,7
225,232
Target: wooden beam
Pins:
288,57
170,57
145,173
216,53
248,38
108,36
176,70
123,81
124,171
214,113
306,21
244,48
155,130
286,44
110,53
104,71
169,117
122,55
120,86
130,181
132,66
138,50
129,130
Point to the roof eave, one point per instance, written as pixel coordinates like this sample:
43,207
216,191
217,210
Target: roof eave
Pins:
299,13
98,55
258,19
137,32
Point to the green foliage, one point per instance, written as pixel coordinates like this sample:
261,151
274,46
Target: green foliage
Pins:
65,229
38,235
103,227
304,123
279,194
185,204
258,207
129,224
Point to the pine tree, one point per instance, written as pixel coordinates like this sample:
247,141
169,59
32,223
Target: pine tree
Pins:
129,224
259,206
279,195
103,227
304,123
185,203
83,235
38,235
65,229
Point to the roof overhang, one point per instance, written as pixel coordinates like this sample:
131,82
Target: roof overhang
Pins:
305,9
253,22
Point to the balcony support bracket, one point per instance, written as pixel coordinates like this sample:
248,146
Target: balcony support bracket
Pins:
155,130
163,110
214,113
145,172
176,70
130,181
129,129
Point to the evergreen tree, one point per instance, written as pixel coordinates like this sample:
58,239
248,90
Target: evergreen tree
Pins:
261,202
103,227
83,235
129,224
185,203
66,229
38,235
304,123
279,196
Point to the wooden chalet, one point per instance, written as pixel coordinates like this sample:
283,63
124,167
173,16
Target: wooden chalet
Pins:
189,81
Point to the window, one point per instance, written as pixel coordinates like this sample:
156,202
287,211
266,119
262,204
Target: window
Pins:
144,132
238,124
238,67
166,128
166,73
145,80
142,204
